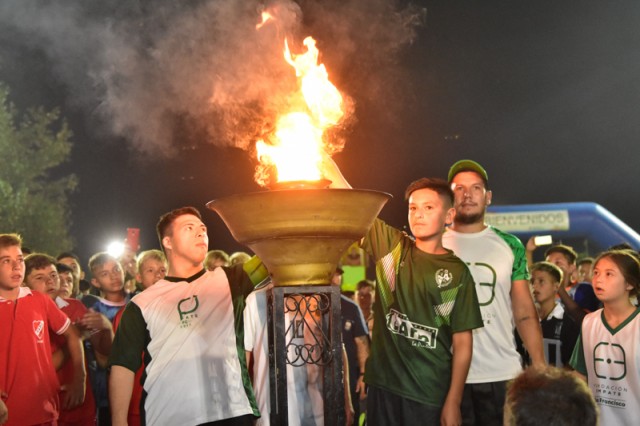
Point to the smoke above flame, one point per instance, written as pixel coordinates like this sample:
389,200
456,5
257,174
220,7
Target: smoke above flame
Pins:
166,75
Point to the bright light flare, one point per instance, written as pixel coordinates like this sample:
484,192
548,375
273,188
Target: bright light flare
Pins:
115,249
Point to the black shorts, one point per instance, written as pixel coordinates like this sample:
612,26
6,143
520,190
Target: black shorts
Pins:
483,404
386,408
235,421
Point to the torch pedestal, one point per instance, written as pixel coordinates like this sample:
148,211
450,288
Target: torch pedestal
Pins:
305,334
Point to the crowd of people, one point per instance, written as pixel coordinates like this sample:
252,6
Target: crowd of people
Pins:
460,326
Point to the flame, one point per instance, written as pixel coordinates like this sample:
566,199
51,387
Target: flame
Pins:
266,17
296,146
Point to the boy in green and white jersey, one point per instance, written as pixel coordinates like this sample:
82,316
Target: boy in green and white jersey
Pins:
425,311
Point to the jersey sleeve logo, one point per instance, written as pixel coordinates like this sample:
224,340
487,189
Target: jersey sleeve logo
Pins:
443,278
38,329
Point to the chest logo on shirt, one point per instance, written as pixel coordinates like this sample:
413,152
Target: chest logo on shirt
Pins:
38,329
187,309
421,336
609,361
443,278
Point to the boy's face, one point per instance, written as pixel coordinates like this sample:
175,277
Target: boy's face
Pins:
109,277
188,240
544,286
561,261
428,214
11,268
151,271
471,196
584,272
66,284
44,280
73,264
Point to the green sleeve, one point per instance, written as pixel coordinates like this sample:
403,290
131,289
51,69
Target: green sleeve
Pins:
520,269
131,339
381,239
577,358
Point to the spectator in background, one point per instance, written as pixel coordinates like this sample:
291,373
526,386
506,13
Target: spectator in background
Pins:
355,337
549,397
608,349
498,263
67,281
559,331
41,275
73,261
216,258
28,383
365,296
585,269
108,277
564,257
239,257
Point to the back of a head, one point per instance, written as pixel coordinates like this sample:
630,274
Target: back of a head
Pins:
549,268
239,257
215,258
549,397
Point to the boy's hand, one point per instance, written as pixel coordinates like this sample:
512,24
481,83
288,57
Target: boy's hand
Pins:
73,393
93,322
451,415
4,412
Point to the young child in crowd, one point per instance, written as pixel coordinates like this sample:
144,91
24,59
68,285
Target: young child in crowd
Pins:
67,281
559,330
29,387
41,275
107,276
73,261
151,267
608,349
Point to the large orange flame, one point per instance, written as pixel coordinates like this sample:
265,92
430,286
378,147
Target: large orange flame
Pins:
297,145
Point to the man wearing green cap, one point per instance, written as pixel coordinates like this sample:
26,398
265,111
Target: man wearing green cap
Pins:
499,267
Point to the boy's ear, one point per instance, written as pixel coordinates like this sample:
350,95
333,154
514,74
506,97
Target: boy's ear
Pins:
488,197
451,213
95,283
166,242
138,277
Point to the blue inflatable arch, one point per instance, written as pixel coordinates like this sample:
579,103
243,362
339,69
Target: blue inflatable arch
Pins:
588,222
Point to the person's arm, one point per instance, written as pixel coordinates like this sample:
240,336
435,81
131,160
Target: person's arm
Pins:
527,322
529,249
74,391
362,347
348,402
101,334
461,348
570,306
121,382
4,412
58,357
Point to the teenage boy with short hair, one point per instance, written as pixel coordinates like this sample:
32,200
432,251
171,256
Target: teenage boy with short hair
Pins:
41,275
424,313
28,383
189,326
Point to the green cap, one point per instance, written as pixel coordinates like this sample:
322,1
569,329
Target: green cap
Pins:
468,166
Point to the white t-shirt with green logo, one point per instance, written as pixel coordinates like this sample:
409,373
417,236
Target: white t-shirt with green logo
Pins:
610,358
495,259
191,333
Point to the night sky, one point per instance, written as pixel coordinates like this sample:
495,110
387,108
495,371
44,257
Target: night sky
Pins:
544,94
